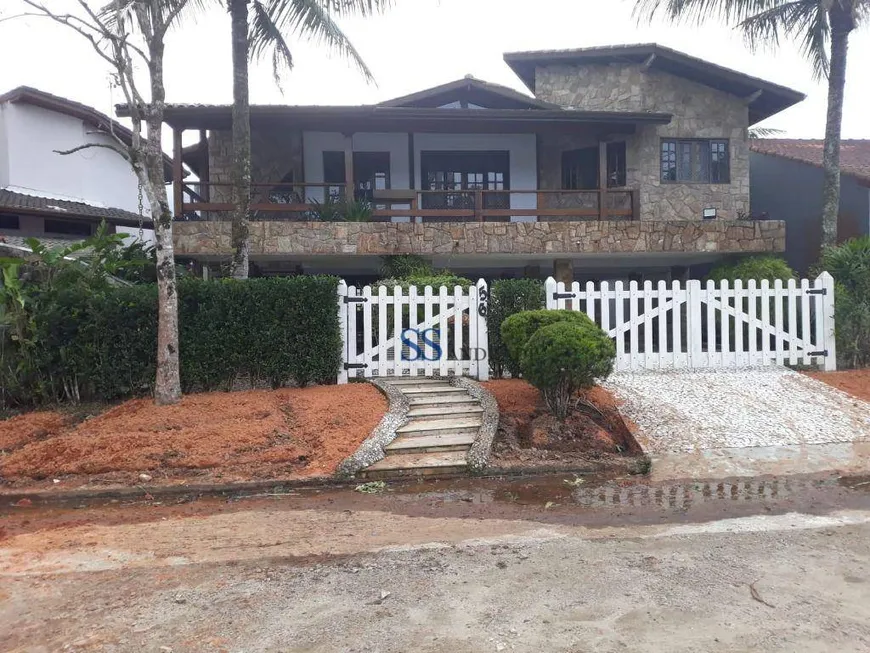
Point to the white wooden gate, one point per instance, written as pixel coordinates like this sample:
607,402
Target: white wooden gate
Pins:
418,332
697,326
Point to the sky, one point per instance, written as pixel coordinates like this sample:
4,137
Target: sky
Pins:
418,44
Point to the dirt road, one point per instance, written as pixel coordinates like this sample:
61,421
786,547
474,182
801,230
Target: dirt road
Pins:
738,565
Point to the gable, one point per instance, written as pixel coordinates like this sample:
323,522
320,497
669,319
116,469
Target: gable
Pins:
468,93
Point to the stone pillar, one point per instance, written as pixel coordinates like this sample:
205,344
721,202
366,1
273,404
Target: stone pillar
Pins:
563,270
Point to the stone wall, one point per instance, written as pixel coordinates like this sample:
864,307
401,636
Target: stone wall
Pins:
275,154
699,112
278,238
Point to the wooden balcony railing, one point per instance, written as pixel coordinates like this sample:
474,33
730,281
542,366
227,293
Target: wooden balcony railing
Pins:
324,202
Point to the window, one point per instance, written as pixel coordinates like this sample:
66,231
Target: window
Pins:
10,222
700,161
580,167
460,172
371,172
67,227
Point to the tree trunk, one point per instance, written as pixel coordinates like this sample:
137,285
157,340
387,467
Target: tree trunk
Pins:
841,25
241,195
167,385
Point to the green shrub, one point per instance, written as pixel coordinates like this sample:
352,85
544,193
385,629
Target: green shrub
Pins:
849,264
86,345
508,297
434,280
402,266
517,329
562,358
753,267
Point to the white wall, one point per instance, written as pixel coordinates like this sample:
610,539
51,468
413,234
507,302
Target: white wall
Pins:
522,149
95,176
4,149
314,144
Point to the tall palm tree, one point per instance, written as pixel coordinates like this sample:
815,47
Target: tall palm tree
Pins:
821,28
258,29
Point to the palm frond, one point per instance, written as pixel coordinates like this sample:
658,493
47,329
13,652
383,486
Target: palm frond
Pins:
764,132
264,37
700,11
804,20
312,20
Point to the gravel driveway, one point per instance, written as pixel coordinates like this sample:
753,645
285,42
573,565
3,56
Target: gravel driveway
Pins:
772,407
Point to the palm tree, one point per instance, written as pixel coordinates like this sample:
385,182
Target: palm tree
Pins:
821,28
258,29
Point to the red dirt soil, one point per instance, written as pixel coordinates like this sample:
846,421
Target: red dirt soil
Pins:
854,382
528,435
216,436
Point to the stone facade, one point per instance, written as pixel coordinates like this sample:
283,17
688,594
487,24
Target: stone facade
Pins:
698,112
275,154
271,238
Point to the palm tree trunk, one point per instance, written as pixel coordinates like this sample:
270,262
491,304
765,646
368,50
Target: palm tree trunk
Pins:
841,25
241,139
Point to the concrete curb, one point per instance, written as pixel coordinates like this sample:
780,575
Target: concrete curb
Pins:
372,448
478,454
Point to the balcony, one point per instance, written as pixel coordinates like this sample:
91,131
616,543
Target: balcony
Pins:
322,202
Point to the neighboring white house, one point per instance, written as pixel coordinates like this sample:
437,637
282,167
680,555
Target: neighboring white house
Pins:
46,194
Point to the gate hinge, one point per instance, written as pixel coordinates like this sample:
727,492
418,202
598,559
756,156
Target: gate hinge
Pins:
817,291
355,366
824,352
563,295
355,300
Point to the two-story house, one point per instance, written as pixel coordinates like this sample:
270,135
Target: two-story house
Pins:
627,161
52,196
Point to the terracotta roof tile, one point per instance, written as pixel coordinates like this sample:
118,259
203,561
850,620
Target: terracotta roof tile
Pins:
854,154
19,202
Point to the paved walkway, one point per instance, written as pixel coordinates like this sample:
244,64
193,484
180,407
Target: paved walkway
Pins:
744,421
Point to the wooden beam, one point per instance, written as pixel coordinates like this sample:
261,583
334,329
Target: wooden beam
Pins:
177,173
649,62
348,168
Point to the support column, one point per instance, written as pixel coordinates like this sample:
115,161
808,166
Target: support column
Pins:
602,180
177,174
204,189
563,270
348,168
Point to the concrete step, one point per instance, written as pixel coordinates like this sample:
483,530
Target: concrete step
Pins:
463,409
430,443
428,392
415,380
449,423
447,401
417,464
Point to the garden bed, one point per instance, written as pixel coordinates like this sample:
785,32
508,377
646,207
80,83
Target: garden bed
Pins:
853,382
594,434
214,437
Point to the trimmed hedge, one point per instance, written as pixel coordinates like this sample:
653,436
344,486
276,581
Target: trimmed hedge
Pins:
753,267
564,357
517,330
279,330
508,297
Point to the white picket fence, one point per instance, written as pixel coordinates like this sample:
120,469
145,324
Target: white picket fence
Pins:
421,331
695,326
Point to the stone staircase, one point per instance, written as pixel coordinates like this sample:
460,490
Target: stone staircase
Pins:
443,422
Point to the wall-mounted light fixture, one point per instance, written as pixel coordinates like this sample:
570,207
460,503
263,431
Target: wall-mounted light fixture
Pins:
709,214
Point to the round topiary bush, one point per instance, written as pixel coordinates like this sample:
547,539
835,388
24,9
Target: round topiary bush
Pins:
753,267
517,329
564,357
